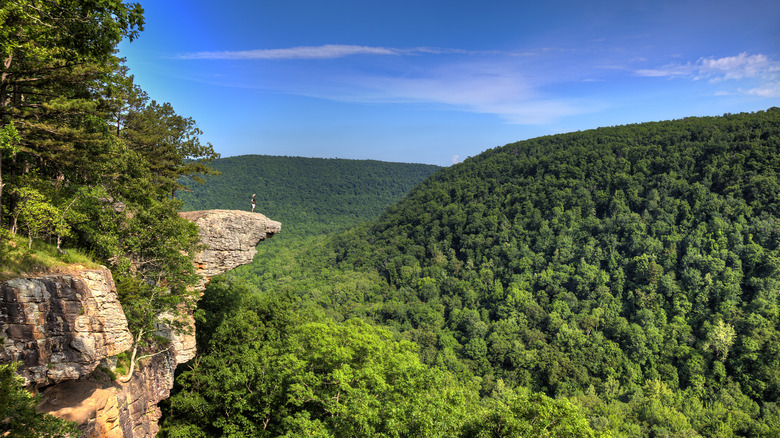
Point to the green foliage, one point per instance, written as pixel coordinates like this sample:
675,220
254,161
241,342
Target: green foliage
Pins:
38,216
168,142
721,338
632,270
269,370
18,417
9,138
528,415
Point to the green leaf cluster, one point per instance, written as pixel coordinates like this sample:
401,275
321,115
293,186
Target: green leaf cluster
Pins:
18,415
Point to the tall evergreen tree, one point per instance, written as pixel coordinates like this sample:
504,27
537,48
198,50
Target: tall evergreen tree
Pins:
52,55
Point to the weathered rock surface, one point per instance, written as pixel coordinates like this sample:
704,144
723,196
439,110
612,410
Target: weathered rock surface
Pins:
230,237
182,343
61,326
105,408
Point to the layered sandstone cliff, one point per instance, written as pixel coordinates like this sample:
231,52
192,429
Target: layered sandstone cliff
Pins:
64,327
61,326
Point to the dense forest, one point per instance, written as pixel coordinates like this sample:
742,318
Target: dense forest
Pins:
619,281
310,196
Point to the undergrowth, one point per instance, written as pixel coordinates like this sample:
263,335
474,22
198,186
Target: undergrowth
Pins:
17,259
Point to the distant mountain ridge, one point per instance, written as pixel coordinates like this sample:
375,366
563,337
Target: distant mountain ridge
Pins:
308,195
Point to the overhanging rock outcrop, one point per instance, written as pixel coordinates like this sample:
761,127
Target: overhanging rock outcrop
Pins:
230,237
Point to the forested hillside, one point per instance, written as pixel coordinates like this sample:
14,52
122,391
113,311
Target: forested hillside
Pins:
310,196
631,271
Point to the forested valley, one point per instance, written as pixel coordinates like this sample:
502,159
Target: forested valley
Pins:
619,281
310,196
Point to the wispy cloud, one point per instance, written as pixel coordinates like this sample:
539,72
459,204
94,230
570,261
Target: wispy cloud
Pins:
303,52
327,51
502,83
502,89
768,90
741,67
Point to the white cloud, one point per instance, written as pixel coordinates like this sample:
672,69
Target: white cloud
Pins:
742,66
737,67
303,52
327,51
501,89
501,83
758,69
667,71
768,90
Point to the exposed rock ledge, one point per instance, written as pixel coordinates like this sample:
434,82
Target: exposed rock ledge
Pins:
62,327
230,237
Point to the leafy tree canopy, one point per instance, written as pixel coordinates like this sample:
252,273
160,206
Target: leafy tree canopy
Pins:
631,270
310,196
269,369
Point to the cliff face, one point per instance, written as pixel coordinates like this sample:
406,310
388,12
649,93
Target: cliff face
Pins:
62,327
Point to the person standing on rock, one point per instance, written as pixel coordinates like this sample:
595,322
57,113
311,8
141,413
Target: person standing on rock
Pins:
253,203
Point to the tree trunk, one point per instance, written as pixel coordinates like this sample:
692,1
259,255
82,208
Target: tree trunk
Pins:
1,189
12,202
3,103
125,379
59,242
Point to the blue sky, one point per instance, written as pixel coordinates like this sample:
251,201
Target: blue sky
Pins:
437,81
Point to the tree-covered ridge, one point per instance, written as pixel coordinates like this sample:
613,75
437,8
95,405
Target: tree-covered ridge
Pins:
632,269
309,196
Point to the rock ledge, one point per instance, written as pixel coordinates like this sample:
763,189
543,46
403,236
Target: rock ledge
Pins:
230,237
